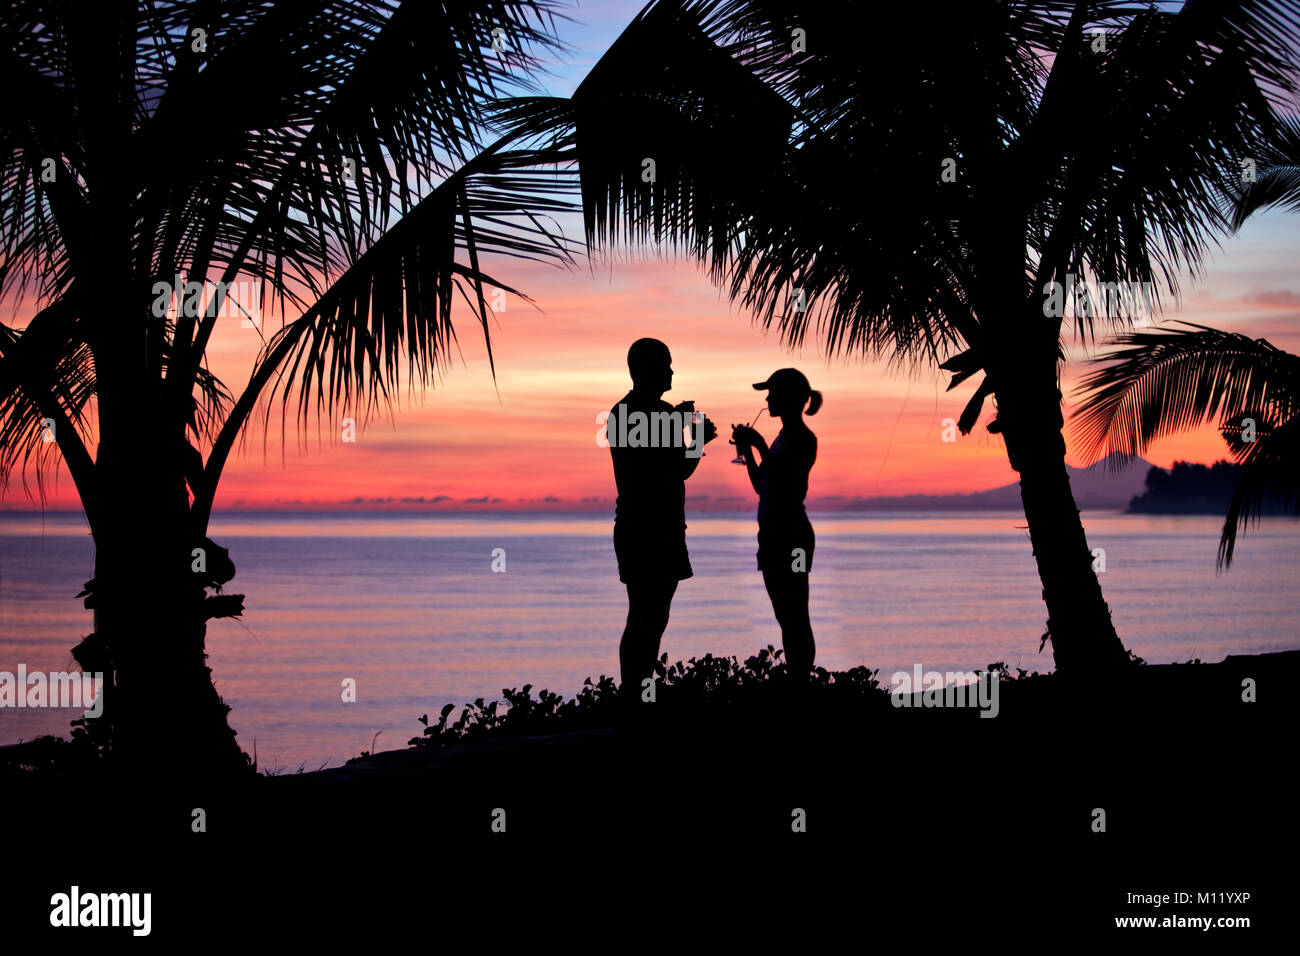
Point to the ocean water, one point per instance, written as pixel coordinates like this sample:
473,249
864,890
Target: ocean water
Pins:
408,607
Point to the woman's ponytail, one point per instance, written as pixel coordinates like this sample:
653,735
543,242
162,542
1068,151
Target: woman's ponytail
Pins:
814,401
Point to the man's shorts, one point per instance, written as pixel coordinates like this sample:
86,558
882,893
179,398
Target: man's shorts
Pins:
648,554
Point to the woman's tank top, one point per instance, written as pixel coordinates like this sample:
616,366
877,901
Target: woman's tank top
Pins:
783,478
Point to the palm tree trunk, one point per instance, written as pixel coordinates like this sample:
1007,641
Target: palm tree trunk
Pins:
166,716
1078,618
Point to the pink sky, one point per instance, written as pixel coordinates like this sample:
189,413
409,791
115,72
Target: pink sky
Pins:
879,432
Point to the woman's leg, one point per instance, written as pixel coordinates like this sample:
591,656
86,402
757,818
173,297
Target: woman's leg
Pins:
789,593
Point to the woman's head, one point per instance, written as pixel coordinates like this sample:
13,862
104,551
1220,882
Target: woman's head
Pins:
787,391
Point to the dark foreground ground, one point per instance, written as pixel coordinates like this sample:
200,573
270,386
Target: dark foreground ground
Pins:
920,828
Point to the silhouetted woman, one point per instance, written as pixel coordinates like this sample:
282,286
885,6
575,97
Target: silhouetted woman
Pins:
785,535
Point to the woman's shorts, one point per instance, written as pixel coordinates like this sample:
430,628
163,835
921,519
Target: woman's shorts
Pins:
786,550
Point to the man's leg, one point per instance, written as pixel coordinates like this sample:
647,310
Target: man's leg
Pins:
648,604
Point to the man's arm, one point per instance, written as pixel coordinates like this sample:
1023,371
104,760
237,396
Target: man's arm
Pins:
691,462
689,465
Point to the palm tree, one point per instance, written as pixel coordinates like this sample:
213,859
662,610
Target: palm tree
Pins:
1167,380
916,190
327,155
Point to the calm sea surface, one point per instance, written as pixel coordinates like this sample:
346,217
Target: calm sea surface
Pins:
410,608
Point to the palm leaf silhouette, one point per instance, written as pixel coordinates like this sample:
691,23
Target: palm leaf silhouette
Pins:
1167,380
1276,179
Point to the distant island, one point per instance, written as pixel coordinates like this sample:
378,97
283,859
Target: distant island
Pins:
1192,489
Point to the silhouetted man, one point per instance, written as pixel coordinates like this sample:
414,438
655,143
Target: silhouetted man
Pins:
652,460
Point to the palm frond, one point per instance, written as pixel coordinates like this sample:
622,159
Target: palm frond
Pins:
47,378
1270,179
343,355
333,116
1270,477
1250,433
397,297
1166,380
1174,103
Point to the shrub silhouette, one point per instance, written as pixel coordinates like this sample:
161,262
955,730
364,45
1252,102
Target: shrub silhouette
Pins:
700,690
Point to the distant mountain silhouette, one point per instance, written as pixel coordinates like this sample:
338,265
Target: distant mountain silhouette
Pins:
1110,483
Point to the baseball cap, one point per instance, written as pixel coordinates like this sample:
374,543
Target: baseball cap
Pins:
786,380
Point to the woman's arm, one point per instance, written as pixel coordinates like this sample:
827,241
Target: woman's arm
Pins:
750,441
751,465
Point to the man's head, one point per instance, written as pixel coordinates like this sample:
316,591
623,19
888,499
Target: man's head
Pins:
651,366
